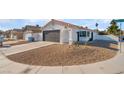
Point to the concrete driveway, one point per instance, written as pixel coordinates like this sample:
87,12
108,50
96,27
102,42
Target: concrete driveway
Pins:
112,66
24,47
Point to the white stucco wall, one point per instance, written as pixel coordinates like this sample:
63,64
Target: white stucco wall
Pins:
74,36
26,35
37,36
66,34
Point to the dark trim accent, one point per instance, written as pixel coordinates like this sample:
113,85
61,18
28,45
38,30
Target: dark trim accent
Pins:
78,36
91,39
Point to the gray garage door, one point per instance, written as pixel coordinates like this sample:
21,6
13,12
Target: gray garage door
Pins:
51,35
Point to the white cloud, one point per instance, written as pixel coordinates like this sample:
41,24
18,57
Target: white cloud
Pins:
101,29
104,20
35,21
107,20
6,20
60,19
3,28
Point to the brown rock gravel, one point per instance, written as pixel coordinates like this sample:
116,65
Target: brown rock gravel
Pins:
65,55
19,43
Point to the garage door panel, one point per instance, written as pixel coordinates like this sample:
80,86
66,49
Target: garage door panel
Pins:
52,35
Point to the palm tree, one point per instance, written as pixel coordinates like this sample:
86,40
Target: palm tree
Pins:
113,28
97,26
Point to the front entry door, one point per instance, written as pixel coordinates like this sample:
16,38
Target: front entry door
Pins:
92,36
91,39
78,36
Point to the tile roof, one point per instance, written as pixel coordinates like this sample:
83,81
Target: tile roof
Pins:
34,29
67,25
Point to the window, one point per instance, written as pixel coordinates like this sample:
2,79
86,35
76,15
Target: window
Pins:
82,33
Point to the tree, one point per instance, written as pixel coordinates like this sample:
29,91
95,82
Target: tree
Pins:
113,28
97,26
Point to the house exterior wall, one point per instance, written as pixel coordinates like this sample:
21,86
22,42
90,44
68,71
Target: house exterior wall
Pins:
26,36
74,35
66,34
36,36
83,39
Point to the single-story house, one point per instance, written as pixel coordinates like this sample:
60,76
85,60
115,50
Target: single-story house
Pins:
59,31
2,33
14,34
6,34
17,34
32,31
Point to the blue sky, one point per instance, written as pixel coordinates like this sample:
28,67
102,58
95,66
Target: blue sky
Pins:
6,24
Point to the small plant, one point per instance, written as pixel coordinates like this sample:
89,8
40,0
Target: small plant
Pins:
76,43
102,33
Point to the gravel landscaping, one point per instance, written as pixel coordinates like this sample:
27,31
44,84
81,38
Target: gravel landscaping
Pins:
65,55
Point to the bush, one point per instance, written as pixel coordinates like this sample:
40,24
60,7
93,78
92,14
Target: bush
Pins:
103,33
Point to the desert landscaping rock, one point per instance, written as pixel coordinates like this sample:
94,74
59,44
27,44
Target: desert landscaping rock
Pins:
65,55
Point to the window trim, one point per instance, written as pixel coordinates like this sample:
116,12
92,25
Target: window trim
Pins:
84,34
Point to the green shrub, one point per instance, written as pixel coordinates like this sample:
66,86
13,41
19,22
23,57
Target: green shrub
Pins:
103,33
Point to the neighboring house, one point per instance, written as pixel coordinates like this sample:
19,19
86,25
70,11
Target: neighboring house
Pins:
59,31
3,33
17,34
14,34
1,38
32,31
7,34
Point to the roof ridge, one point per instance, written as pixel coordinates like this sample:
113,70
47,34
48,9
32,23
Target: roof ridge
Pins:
67,23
